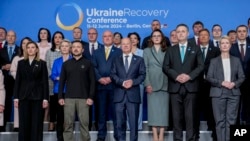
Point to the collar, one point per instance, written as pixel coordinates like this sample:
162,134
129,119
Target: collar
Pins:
206,46
244,42
185,44
129,55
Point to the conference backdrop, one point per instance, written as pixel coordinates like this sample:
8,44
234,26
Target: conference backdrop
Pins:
27,16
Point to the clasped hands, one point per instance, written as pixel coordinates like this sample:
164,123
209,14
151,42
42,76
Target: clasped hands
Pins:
183,78
105,80
127,83
227,84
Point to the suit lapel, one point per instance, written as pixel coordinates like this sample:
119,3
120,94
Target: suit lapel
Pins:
220,68
111,52
156,55
177,51
122,65
188,49
132,63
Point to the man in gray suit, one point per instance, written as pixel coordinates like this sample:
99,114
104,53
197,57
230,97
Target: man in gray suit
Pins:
183,63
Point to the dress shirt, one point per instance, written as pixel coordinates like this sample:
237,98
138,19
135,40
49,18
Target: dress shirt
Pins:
185,47
206,48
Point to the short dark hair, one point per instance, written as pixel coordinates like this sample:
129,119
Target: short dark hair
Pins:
118,33
206,30
182,24
3,29
248,21
216,25
77,41
197,23
230,31
242,25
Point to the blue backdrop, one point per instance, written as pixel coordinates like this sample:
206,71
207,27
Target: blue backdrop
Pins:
27,16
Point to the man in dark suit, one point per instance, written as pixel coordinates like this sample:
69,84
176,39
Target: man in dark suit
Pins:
204,101
102,59
241,49
89,49
183,64
128,72
7,54
3,33
154,25
216,33
197,26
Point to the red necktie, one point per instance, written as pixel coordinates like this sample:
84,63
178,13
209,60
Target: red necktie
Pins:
1,45
198,42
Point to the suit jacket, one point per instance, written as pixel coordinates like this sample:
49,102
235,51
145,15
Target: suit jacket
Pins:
136,72
103,66
4,57
192,41
215,75
246,61
212,52
154,75
2,96
86,52
31,80
192,65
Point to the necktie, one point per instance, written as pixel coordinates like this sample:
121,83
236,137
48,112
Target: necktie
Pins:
242,51
10,53
217,43
198,42
92,49
203,53
107,53
126,63
182,53
1,45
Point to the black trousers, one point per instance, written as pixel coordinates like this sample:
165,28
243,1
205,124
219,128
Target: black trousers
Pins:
183,109
57,114
31,116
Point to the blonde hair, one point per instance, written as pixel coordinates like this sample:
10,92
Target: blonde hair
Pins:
225,37
25,54
65,40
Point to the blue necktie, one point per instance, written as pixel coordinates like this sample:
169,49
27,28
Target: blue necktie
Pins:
10,53
182,53
126,63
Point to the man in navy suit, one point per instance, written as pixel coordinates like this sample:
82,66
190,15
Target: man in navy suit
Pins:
241,49
128,72
7,54
102,59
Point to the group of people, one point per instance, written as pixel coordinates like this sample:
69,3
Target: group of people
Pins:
183,78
